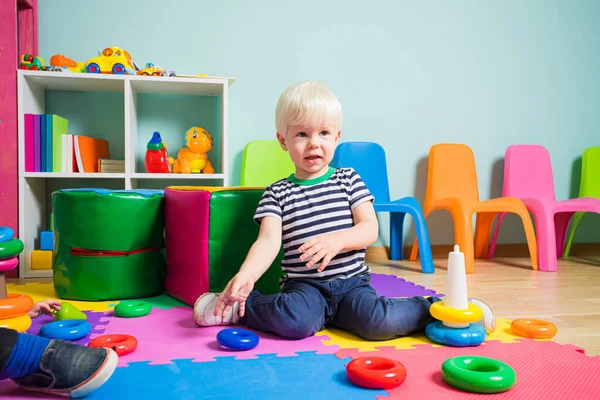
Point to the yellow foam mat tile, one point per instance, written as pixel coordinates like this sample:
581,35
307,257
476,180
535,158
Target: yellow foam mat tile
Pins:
45,291
346,340
504,334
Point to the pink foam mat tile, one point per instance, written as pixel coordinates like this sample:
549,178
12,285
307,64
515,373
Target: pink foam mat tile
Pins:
168,334
545,370
10,390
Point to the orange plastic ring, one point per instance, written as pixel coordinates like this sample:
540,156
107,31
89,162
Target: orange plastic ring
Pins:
15,305
121,344
533,328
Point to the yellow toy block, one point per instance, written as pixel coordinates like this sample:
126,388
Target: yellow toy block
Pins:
41,259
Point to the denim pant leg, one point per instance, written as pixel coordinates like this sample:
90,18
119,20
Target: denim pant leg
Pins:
8,339
363,313
299,311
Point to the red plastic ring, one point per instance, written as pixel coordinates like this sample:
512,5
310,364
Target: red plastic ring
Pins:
376,372
121,344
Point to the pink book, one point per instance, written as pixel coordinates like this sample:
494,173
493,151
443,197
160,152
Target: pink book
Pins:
37,145
29,144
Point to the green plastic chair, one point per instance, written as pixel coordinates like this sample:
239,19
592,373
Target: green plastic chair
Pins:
589,187
265,162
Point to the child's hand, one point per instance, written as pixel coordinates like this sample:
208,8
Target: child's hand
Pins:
44,307
321,247
238,289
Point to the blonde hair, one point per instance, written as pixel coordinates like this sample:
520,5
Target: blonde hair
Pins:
307,103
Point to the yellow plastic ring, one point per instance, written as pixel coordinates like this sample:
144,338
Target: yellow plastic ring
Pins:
19,324
455,315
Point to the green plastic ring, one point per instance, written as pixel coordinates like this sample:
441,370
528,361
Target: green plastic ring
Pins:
132,309
478,374
11,248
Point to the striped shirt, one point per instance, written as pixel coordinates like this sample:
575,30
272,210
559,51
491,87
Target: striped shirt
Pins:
315,207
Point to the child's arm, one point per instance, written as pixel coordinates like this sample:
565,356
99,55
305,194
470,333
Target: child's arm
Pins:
259,259
361,235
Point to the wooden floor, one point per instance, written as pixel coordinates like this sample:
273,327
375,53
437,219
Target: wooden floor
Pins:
570,298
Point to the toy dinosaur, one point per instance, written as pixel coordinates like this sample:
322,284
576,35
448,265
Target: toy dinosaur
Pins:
192,158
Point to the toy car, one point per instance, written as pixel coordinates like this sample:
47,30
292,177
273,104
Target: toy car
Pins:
154,70
112,60
31,62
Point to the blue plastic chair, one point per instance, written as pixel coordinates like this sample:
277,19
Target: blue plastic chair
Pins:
368,159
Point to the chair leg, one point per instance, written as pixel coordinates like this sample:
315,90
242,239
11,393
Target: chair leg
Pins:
415,249
546,239
396,235
463,237
561,220
483,228
492,248
530,234
578,216
427,266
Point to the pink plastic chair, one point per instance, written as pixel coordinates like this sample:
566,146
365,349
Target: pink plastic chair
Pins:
528,176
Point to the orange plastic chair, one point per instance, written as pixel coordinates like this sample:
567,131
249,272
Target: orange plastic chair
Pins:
452,185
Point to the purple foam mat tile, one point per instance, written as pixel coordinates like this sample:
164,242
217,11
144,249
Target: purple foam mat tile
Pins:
393,286
96,319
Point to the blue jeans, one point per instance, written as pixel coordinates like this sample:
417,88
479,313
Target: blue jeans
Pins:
306,306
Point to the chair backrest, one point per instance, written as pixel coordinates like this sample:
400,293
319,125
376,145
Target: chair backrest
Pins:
451,172
368,159
264,162
590,173
528,172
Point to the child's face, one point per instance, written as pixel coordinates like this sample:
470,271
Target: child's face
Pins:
311,148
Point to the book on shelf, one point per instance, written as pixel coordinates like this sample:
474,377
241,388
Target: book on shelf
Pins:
108,166
49,148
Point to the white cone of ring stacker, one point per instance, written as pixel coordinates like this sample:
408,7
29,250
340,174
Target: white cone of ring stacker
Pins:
456,285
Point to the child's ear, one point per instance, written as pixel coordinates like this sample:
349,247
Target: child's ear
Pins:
281,141
337,135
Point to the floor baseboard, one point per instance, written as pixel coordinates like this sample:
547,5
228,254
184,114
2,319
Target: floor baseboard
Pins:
382,253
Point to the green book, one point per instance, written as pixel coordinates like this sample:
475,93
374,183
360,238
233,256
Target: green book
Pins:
59,128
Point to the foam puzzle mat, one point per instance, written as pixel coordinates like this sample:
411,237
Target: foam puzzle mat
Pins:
175,359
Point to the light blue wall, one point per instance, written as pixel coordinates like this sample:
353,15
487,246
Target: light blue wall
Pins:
408,74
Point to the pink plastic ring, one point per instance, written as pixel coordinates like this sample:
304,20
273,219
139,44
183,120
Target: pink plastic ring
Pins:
8,264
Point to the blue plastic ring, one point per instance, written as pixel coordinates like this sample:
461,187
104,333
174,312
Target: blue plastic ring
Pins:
237,339
66,330
439,333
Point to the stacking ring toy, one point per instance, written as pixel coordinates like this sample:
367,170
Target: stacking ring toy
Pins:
11,248
533,328
66,330
455,315
6,233
19,324
237,339
15,305
473,335
478,374
8,263
121,344
132,309
376,372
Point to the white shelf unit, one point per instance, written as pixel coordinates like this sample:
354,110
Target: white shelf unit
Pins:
35,188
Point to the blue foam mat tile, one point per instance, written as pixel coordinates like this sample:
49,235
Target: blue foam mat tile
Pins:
308,376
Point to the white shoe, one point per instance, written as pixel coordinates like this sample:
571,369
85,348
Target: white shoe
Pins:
489,316
204,308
